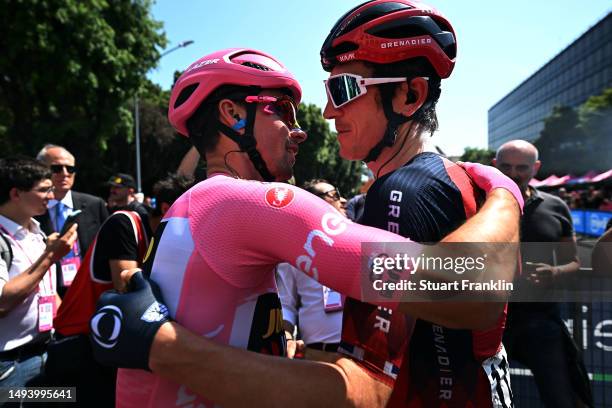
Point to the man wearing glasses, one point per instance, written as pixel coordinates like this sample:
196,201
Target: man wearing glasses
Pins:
28,296
92,209
321,188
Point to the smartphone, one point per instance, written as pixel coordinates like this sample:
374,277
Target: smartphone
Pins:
70,220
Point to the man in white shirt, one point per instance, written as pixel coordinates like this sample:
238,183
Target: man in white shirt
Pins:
28,296
316,310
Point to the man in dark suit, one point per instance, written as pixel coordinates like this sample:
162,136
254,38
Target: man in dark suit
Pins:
93,209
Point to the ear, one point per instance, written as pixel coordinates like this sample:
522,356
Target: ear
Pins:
14,193
409,98
494,162
536,167
228,110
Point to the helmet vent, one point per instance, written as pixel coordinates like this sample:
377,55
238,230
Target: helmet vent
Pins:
185,94
256,66
369,14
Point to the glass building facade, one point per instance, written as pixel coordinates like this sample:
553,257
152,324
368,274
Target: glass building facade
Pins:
583,69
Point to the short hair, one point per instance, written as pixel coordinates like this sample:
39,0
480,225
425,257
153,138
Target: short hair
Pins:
42,154
310,185
21,173
412,68
170,188
202,125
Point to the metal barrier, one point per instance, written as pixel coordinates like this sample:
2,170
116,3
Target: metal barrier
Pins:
591,327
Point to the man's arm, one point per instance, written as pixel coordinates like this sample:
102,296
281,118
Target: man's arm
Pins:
20,287
213,370
496,222
118,265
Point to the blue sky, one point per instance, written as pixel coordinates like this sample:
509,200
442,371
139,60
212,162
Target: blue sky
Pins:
500,43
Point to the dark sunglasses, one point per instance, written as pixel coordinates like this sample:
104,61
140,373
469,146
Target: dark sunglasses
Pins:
59,168
333,194
344,88
283,106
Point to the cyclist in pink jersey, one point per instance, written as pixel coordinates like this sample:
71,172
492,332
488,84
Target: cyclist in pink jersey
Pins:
214,253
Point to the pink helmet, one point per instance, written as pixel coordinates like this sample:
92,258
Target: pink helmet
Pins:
234,66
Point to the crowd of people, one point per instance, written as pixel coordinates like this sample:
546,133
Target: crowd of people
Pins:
590,198
191,302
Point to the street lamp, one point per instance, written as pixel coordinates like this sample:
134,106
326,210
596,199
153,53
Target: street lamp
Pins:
137,117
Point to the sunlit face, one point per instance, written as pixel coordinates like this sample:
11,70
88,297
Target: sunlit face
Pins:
59,159
331,194
34,201
360,123
277,144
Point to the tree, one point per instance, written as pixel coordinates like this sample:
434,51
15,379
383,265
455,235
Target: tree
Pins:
562,144
595,117
318,156
477,155
67,74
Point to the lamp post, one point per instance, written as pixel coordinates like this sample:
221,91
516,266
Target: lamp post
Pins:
137,118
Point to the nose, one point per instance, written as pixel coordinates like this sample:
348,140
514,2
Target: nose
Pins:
330,112
297,135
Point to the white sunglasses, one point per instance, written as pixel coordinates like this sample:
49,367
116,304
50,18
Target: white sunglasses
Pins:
344,88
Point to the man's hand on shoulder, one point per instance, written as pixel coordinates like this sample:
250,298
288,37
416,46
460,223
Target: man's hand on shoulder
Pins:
123,326
489,178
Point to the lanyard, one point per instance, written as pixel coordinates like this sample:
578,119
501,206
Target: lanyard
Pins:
25,253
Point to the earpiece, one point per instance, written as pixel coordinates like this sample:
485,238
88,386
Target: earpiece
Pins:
240,123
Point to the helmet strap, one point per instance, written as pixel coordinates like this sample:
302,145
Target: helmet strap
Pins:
394,120
247,142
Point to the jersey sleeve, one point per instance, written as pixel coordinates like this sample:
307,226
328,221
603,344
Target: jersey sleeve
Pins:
116,241
249,227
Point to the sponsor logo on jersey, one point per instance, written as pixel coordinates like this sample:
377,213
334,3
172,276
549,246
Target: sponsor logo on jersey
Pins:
332,224
279,197
106,325
267,335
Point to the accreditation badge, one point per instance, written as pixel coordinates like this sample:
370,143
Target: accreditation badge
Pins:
332,300
46,312
70,267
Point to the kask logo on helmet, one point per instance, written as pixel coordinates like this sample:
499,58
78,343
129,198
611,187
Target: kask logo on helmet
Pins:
346,57
106,325
279,197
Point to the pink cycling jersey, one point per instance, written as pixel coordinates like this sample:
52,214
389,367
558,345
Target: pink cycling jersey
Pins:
214,256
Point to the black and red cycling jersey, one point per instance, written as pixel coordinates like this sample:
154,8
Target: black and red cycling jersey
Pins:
427,364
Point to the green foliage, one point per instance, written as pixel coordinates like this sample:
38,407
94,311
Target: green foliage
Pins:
318,156
578,140
68,71
477,155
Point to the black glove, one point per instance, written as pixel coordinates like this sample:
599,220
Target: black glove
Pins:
124,325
